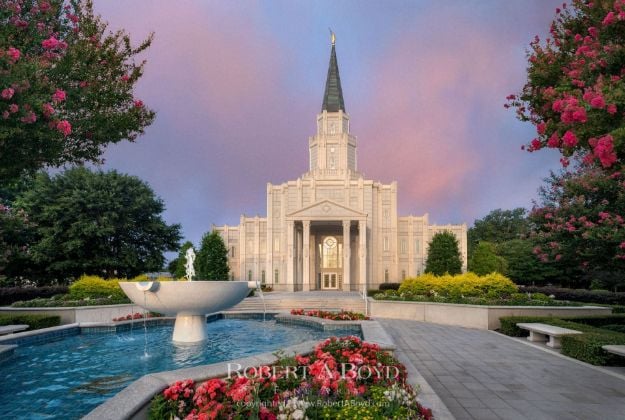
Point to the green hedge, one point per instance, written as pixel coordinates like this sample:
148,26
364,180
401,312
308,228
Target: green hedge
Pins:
585,347
615,327
34,322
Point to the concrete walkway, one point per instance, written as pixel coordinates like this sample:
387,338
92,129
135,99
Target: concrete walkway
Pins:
479,374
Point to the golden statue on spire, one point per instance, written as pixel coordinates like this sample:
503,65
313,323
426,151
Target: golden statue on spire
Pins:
332,37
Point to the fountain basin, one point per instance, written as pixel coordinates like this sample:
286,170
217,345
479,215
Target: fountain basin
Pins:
188,301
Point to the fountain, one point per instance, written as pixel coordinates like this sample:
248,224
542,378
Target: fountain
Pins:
189,301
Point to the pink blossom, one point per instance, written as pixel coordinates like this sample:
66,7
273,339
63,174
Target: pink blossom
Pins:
138,103
124,78
609,19
611,109
569,139
50,43
64,127
7,93
597,102
622,245
47,109
14,53
565,162
593,32
535,144
59,96
541,128
29,118
13,108
558,257
604,150
5,115
554,141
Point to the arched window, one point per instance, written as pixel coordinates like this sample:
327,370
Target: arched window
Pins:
386,275
276,277
262,277
249,275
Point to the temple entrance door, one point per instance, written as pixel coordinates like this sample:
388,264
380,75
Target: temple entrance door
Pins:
329,281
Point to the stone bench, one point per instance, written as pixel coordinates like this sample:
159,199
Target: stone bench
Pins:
541,332
619,350
10,329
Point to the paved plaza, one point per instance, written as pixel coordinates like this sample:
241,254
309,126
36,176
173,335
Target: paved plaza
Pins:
482,375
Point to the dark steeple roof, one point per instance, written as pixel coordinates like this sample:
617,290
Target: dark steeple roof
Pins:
333,96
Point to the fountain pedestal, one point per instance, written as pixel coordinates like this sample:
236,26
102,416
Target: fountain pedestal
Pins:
188,301
190,329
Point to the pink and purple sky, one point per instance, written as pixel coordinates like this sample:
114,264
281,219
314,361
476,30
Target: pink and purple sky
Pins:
237,86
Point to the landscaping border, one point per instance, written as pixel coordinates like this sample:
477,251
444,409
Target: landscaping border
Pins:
77,314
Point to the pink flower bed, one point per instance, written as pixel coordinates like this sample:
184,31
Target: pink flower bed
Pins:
342,378
136,315
334,316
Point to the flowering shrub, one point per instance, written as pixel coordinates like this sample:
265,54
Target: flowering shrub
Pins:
574,97
334,316
66,86
574,90
492,285
343,378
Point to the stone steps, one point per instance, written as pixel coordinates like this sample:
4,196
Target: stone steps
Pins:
256,304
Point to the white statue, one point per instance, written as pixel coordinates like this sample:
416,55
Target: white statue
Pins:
189,268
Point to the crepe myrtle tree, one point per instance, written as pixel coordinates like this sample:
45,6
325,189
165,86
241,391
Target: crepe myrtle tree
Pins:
66,85
580,227
575,96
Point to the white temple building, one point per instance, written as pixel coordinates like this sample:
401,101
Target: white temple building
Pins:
332,229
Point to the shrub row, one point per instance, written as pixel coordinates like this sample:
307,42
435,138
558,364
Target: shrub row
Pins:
34,322
585,347
492,285
580,295
8,295
94,287
389,286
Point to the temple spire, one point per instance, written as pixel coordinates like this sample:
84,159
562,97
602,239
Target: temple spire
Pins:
333,96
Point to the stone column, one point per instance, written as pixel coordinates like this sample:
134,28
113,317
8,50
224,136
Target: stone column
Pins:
362,235
290,255
306,256
346,255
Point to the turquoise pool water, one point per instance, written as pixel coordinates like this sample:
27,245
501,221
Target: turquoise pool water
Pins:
67,378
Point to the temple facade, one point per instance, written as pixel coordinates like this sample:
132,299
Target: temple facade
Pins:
332,229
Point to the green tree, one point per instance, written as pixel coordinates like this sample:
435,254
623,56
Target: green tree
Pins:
66,85
177,266
485,260
211,262
103,223
15,236
443,255
522,266
498,226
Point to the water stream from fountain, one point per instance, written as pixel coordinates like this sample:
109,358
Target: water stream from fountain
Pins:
262,297
145,326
